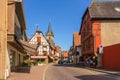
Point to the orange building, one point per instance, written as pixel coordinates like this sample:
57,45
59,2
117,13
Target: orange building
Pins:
64,56
57,51
100,26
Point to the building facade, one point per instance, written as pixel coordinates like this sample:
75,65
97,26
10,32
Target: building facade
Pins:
43,47
76,48
70,54
16,32
100,27
3,38
57,55
64,56
12,31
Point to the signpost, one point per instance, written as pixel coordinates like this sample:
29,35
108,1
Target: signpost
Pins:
100,49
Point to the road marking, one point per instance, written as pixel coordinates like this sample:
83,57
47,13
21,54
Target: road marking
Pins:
44,73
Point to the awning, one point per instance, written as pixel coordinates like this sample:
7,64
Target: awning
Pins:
38,57
29,48
17,46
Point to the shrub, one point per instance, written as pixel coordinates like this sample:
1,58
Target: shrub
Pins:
41,62
28,62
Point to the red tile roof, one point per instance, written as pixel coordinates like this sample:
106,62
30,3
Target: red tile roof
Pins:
64,53
57,48
77,39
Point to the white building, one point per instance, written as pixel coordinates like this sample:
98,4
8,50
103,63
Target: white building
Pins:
43,47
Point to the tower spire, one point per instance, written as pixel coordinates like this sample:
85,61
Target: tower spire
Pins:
49,33
49,27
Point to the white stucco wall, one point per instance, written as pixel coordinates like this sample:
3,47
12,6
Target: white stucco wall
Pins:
110,32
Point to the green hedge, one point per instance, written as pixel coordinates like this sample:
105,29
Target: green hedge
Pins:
41,62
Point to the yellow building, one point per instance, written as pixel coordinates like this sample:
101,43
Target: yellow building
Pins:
3,37
13,40
15,32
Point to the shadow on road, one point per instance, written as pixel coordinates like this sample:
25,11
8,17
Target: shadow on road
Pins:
69,65
95,77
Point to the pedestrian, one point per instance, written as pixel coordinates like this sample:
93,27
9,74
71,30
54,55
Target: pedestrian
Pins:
94,61
87,62
91,63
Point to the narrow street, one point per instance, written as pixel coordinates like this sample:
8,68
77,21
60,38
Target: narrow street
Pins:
68,72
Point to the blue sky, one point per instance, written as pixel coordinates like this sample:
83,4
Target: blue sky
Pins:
64,15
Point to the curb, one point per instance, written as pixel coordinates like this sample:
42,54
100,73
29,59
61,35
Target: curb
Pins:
103,71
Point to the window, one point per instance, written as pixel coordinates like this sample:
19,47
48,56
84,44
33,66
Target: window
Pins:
44,48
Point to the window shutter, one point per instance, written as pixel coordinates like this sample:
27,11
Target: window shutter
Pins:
39,40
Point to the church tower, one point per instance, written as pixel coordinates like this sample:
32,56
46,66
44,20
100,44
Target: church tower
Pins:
49,33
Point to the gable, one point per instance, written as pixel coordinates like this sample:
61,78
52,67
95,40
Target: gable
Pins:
38,37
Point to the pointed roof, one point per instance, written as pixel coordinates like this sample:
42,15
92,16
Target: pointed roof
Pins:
38,31
105,10
49,27
49,32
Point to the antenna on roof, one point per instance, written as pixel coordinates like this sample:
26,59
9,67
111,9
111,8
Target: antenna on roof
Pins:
37,26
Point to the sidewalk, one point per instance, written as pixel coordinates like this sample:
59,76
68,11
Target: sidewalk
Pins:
113,72
28,73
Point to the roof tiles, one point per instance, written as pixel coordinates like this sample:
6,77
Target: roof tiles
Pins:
110,9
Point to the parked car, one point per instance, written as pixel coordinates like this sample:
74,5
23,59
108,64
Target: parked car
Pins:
60,62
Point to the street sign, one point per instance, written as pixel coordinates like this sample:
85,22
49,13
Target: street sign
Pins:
100,49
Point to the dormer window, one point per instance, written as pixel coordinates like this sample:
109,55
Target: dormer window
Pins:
117,9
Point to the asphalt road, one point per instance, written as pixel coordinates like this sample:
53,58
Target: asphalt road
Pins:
68,72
